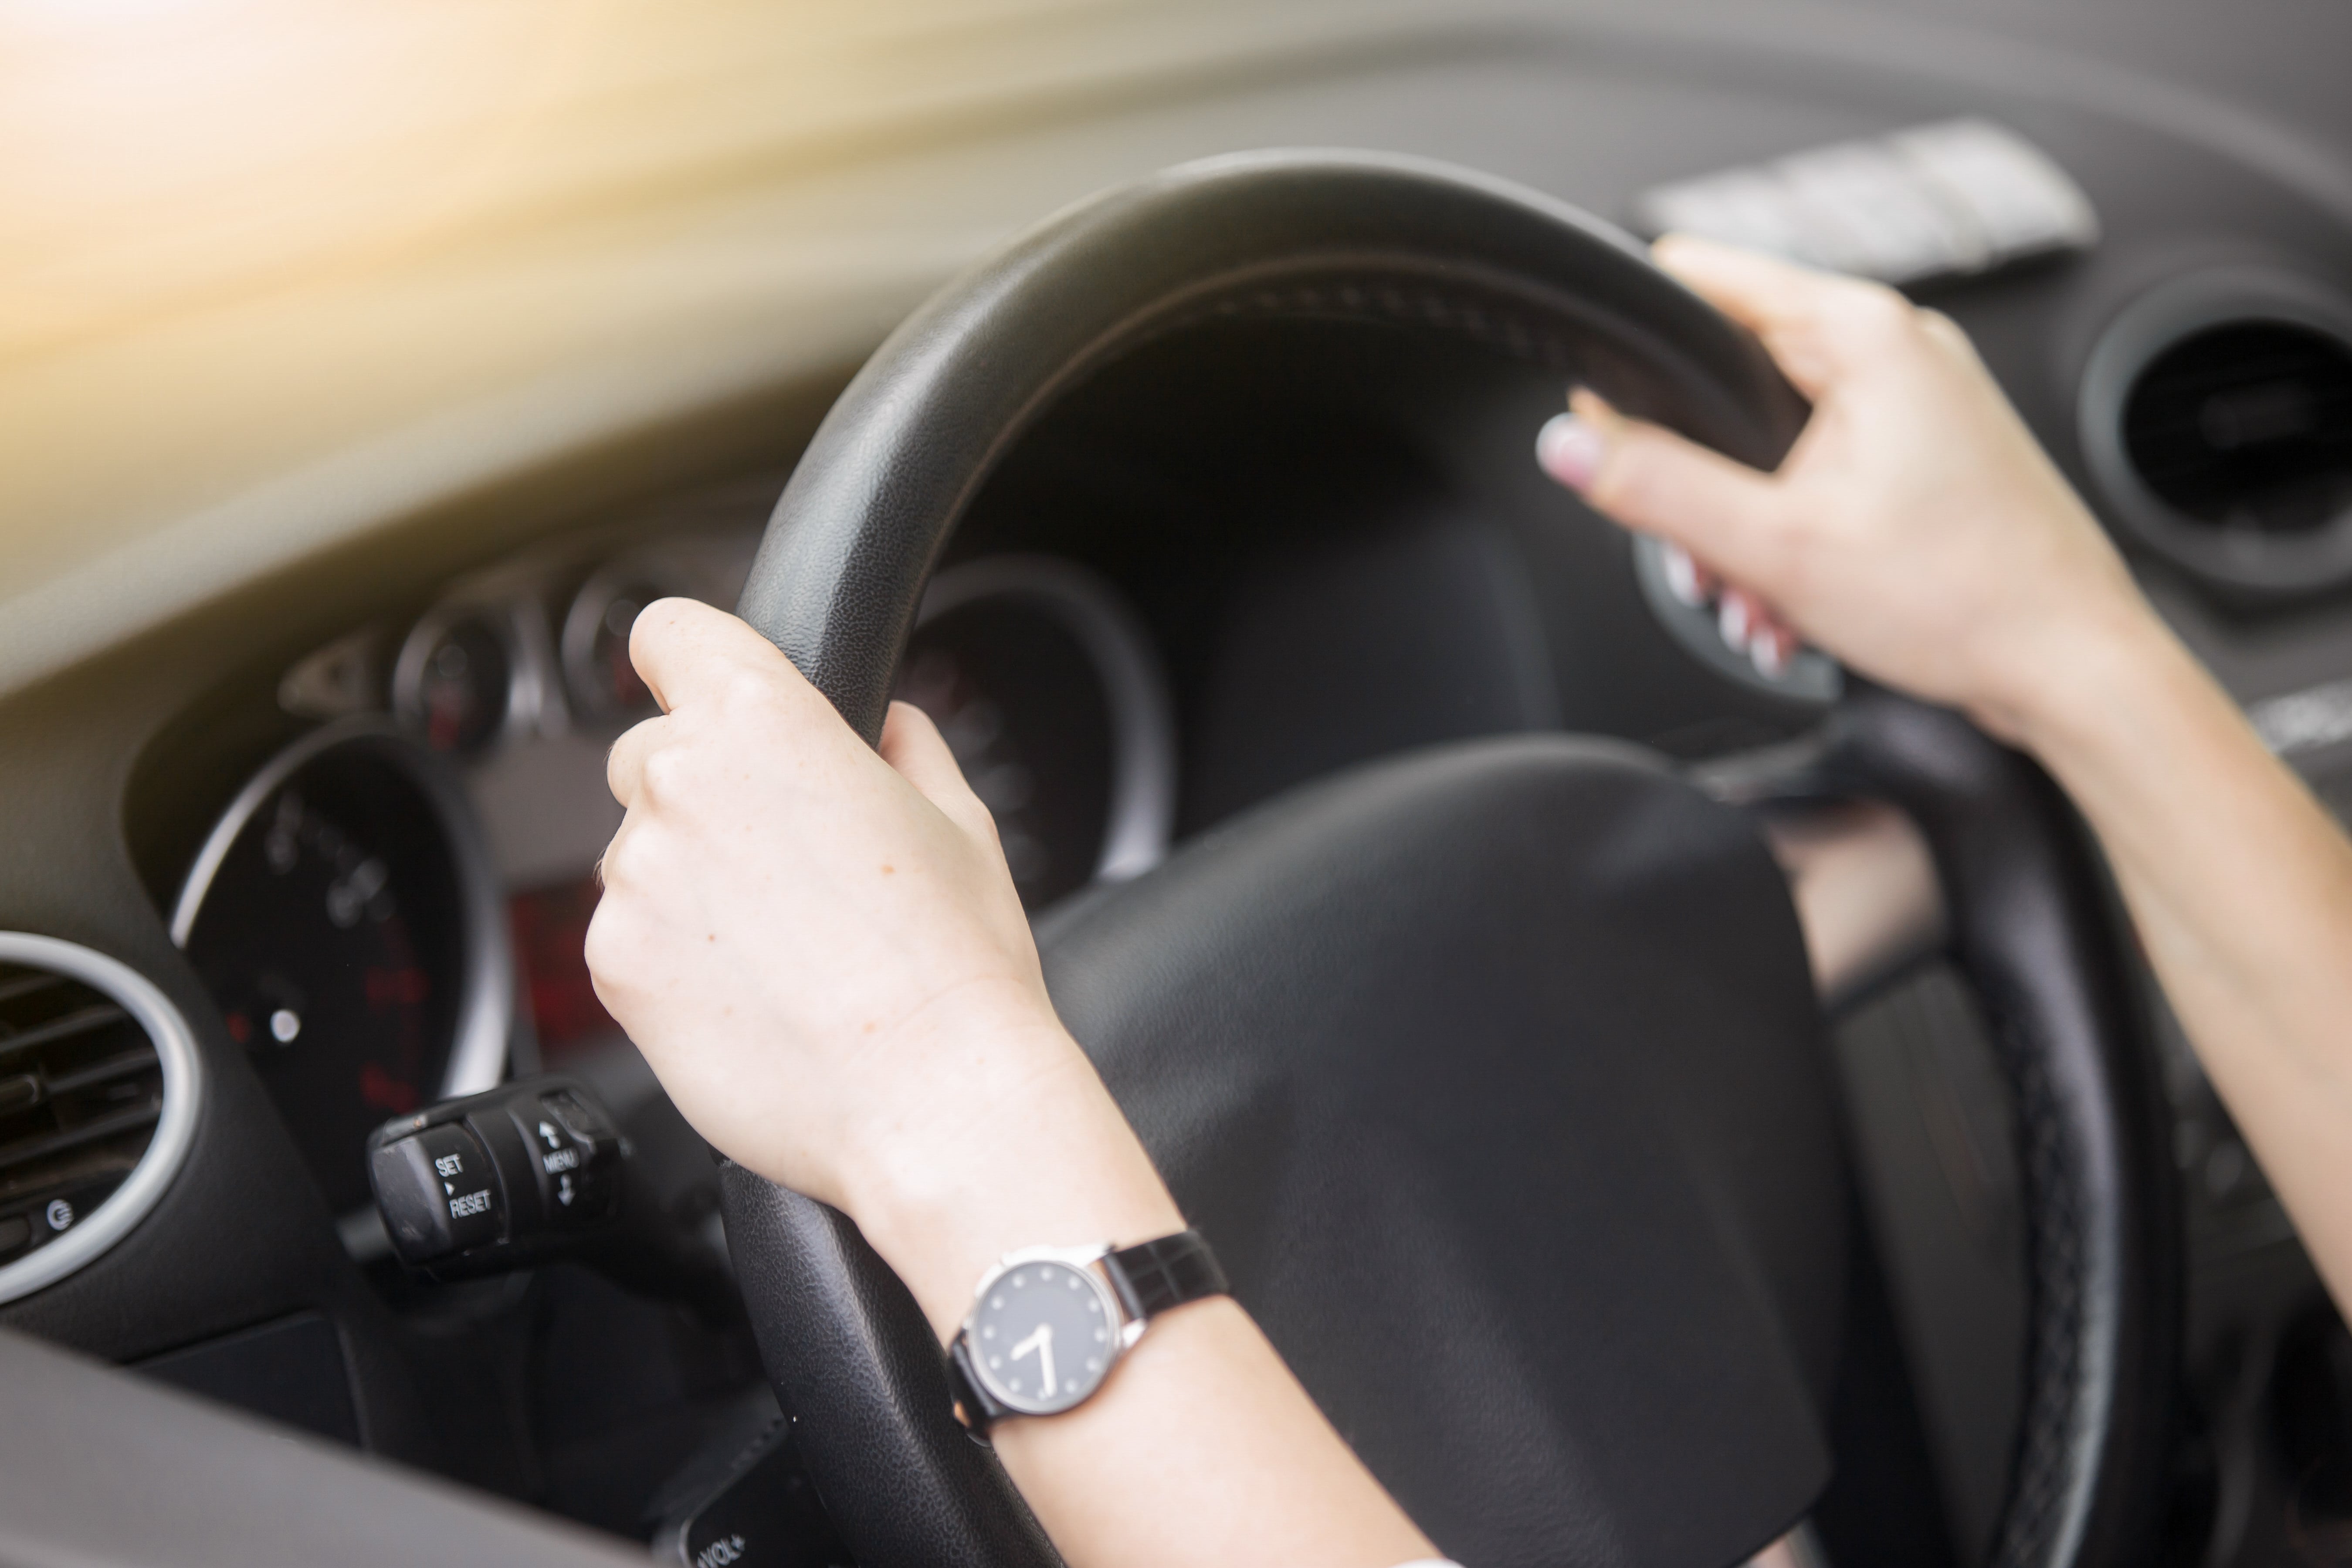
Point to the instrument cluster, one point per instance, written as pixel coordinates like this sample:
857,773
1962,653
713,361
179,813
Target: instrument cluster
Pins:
392,911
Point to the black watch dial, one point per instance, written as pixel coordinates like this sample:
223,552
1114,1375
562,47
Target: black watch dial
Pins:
1043,1337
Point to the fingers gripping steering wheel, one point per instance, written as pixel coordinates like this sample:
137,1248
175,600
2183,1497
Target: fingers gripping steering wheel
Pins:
1493,1072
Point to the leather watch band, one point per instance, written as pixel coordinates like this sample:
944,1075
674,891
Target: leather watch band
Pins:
1146,1279
1153,1276
974,1406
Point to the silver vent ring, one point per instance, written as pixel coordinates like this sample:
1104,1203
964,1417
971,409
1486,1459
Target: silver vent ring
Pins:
175,1129
2142,332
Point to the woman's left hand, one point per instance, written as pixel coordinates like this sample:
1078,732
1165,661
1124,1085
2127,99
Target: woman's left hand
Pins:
820,953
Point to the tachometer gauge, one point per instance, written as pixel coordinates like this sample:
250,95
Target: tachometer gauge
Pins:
597,673
1046,687
341,915
454,682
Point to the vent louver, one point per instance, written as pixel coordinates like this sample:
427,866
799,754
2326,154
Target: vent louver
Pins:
97,1091
2216,416
2247,426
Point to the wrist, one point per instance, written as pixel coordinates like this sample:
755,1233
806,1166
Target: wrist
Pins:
1039,1158
2053,690
2094,693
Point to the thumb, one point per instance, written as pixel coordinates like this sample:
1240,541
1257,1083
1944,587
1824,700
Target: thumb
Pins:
913,745
1647,477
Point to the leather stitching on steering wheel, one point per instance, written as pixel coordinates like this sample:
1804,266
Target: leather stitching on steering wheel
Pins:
2054,1345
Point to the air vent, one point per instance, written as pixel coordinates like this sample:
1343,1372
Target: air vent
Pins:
97,1090
2218,417
2247,426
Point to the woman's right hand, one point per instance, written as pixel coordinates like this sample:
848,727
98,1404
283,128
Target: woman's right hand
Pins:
1918,533
1915,531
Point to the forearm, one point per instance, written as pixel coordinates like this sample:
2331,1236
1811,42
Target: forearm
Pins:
2241,887
1202,1449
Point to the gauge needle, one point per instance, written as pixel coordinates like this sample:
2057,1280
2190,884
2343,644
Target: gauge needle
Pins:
1042,1341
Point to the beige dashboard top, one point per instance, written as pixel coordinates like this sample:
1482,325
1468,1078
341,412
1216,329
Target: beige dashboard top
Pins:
276,274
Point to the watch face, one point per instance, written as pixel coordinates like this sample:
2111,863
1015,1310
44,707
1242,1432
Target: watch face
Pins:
1044,1336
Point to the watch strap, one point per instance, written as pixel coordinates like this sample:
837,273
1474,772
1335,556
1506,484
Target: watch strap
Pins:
1149,1279
1153,1276
973,1403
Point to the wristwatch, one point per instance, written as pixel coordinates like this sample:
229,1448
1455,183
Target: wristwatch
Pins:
1048,1323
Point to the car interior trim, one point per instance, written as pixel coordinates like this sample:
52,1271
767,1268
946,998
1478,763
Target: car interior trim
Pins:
219,1488
477,1050
176,1127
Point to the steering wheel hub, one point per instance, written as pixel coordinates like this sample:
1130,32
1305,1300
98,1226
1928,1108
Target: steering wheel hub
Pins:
1496,1075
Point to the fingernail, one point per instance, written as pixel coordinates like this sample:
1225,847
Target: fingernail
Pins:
1682,575
1569,449
1770,651
1733,620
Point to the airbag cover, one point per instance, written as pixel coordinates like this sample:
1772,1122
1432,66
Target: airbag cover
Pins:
1496,1076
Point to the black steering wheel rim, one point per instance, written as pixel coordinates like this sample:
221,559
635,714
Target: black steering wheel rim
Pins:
1337,234
1356,235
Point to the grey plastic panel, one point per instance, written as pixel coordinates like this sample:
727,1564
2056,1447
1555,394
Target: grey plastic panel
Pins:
99,1466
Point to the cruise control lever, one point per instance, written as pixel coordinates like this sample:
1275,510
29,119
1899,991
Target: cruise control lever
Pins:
503,1179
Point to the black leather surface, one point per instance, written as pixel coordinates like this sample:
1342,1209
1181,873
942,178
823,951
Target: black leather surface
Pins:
1495,1077
1654,1402
1494,1074
2033,926
855,1364
1168,1271
1346,235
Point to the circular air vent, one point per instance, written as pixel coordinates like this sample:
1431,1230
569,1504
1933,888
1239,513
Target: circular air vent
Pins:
98,1103
2217,416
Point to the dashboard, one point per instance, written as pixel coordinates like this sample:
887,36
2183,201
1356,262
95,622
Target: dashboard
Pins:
391,909
307,709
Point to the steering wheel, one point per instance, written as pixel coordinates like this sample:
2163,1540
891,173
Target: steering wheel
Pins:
1493,1072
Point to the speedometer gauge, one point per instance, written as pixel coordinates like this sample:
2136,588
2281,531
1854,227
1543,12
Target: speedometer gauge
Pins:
340,916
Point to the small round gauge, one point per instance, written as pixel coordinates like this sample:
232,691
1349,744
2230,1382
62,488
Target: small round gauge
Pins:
454,682
1046,686
340,916
604,684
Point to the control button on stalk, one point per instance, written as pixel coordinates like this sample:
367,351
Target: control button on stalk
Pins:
578,1117
502,1179
438,1193
577,1151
